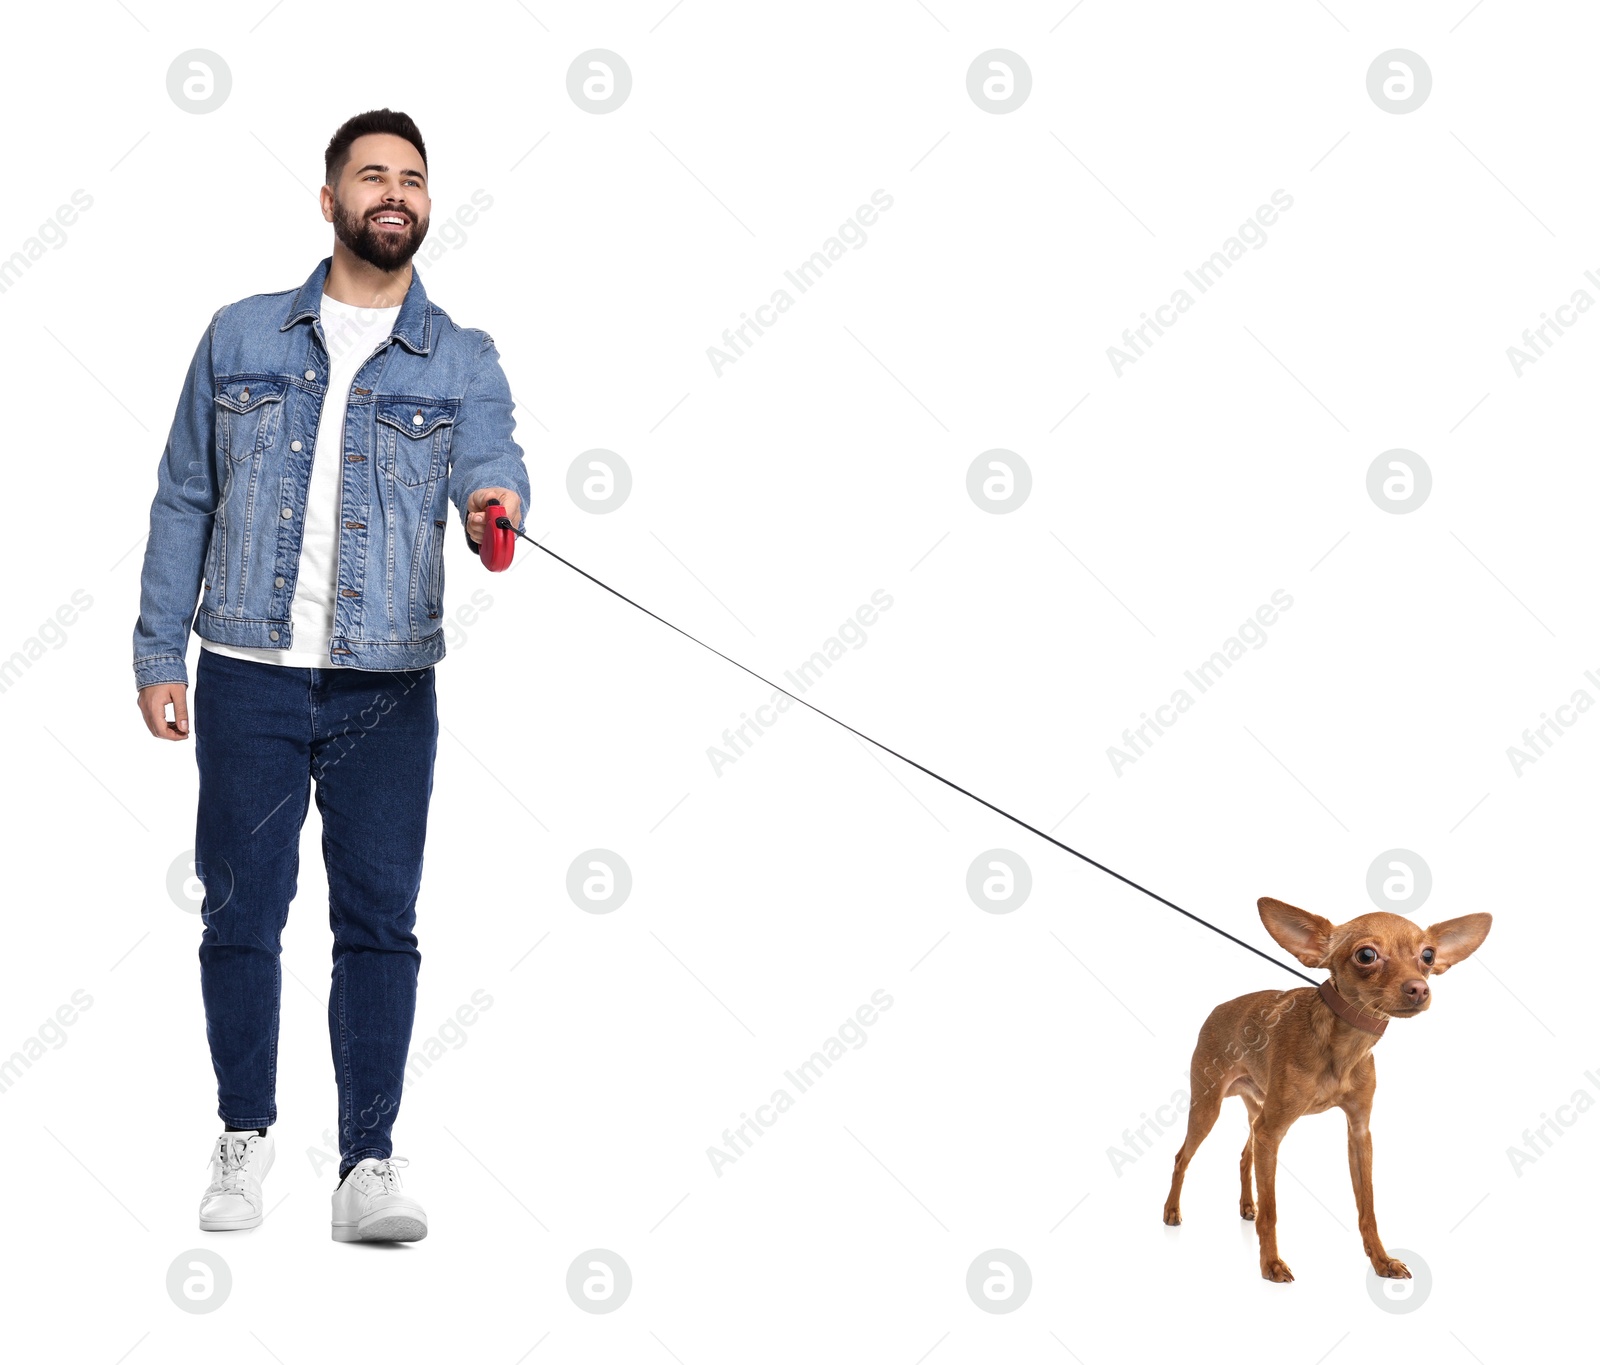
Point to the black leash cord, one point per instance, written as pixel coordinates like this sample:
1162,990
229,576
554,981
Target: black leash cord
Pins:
505,524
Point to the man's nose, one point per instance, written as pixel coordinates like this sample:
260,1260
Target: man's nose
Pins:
1415,991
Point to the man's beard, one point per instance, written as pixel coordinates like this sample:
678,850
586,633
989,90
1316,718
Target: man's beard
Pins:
382,247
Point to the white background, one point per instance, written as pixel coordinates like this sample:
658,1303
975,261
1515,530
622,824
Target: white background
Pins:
769,503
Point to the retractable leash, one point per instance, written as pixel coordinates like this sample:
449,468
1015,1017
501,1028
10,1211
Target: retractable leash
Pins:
498,545
499,540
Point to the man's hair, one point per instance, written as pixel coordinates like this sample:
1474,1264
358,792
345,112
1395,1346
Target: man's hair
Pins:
373,121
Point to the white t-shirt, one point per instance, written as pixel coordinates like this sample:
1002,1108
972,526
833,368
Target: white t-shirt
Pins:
352,334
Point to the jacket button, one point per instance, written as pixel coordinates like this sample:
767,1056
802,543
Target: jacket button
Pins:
244,393
288,512
272,635
417,420
311,374
294,445
278,581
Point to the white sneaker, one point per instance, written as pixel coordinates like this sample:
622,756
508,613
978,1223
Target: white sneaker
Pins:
233,1199
369,1207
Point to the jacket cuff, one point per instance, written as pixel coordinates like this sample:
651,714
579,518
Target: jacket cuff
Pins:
160,668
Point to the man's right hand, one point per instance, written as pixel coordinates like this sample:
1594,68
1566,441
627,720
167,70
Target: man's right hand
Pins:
153,707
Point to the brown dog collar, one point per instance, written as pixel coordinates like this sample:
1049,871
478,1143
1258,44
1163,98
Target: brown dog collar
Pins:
1353,1015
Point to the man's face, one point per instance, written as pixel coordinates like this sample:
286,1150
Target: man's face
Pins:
384,179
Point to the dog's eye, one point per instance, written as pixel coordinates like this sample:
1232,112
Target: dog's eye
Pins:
1427,956
1366,956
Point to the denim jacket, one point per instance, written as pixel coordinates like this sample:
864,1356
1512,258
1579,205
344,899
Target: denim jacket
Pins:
429,419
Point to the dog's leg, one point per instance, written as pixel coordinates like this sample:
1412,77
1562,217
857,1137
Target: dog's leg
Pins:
1247,1204
1204,1106
1266,1133
1357,1107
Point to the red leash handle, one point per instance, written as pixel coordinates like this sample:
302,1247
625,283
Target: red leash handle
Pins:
498,544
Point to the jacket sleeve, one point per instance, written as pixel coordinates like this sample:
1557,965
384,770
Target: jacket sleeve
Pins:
483,451
181,516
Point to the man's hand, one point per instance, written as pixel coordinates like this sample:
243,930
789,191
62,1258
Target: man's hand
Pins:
478,499
153,707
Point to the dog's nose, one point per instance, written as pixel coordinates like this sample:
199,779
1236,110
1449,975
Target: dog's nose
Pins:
1415,992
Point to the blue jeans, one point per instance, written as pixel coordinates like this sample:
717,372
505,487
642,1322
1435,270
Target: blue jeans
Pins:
368,738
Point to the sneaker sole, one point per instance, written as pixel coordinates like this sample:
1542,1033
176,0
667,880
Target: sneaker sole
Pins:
388,1227
229,1225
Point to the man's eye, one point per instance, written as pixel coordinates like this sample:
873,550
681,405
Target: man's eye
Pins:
1427,956
1366,956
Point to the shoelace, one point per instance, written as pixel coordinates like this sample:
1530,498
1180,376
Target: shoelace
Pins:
386,1174
231,1151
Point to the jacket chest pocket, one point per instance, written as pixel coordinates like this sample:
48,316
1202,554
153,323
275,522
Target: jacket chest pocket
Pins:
249,412
413,436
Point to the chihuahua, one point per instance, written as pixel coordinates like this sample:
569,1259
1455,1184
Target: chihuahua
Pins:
1288,1053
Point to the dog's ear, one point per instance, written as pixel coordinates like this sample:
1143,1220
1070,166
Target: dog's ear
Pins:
1309,937
1455,939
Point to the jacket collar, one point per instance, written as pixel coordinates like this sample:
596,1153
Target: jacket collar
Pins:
413,327
1352,1014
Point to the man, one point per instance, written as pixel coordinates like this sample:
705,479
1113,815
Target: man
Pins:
302,499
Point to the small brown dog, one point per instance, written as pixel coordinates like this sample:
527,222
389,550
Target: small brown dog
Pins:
1288,1053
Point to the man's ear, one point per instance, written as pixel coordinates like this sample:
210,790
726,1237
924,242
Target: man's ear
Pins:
1456,939
1309,937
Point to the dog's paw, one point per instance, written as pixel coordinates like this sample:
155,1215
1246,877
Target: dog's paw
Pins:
1391,1269
1247,1210
1170,1216
1276,1271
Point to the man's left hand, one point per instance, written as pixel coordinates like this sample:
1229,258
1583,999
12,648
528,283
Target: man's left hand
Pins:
479,499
